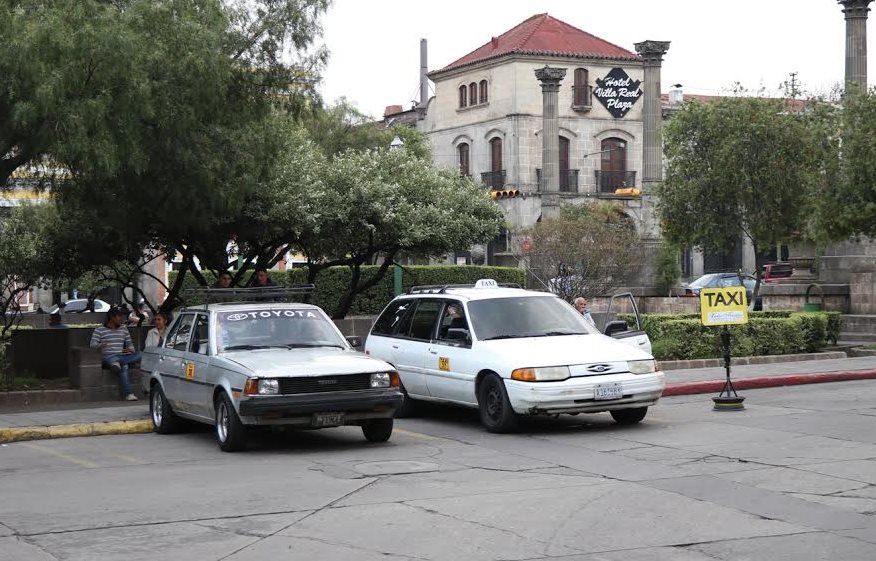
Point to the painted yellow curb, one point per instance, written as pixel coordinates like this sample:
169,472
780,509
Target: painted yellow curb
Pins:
15,434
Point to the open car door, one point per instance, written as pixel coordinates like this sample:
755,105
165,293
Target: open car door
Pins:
625,303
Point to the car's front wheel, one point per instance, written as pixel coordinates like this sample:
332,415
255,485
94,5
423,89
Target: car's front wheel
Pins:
494,406
164,420
629,416
377,430
230,432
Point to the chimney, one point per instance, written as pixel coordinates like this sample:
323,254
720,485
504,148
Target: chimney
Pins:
424,80
676,95
392,110
494,43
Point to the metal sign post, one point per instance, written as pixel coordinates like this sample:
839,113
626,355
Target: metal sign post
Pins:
725,306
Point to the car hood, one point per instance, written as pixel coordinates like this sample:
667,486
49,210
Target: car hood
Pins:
562,350
276,363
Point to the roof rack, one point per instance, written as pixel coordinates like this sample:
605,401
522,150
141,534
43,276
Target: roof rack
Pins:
248,294
442,288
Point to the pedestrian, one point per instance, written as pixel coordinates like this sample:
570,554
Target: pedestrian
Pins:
142,310
261,278
155,337
224,280
55,321
581,305
116,347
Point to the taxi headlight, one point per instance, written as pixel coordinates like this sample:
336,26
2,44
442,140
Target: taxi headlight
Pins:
381,380
543,374
642,366
268,386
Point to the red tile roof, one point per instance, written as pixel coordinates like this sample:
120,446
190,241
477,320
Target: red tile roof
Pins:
545,36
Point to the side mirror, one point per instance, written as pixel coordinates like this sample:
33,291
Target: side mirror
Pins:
617,326
354,340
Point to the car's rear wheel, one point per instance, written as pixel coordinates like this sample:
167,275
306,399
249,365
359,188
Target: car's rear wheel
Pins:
494,406
377,430
629,416
164,420
230,432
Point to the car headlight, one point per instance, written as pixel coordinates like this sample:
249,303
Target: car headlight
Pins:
381,380
268,386
642,366
543,374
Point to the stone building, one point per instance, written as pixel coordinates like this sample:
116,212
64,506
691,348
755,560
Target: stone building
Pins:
547,114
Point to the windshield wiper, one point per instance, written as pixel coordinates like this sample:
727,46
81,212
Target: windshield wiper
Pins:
554,333
504,336
310,345
248,347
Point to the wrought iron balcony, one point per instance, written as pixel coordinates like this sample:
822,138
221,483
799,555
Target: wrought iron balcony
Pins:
493,178
608,181
568,180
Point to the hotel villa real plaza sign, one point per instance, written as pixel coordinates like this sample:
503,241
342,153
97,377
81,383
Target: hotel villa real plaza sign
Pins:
617,92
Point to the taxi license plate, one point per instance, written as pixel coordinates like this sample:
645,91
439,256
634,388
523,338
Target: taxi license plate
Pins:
328,420
608,391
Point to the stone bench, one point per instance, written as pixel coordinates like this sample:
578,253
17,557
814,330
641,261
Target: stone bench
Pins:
86,373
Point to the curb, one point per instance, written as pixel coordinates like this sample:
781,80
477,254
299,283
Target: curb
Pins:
715,386
16,434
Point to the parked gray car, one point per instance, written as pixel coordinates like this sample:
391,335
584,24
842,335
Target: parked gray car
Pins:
241,365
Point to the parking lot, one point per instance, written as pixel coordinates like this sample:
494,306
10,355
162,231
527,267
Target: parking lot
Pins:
791,477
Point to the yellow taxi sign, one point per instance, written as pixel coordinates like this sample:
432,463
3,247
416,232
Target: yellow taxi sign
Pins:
723,306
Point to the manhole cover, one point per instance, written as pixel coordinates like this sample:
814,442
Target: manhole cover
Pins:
394,467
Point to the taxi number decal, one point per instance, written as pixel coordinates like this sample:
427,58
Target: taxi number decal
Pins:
443,363
190,371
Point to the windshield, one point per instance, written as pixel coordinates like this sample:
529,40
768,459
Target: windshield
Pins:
525,316
275,327
702,281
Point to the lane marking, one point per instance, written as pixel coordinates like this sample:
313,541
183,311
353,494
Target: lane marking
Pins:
63,456
421,435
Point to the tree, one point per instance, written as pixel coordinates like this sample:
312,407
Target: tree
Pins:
370,205
23,243
740,167
849,205
589,249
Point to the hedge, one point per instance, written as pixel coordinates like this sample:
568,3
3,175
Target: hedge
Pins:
766,333
331,283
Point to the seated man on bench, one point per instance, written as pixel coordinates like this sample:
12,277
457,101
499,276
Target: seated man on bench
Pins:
116,347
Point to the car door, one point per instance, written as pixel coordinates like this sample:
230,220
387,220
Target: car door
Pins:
449,370
196,387
411,346
634,336
171,362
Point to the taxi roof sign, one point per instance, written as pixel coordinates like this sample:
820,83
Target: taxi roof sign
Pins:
723,306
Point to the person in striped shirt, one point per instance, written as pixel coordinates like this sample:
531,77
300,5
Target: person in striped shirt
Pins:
116,347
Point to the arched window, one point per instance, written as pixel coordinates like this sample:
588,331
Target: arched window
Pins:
463,96
613,166
472,94
565,184
497,172
463,151
484,97
581,88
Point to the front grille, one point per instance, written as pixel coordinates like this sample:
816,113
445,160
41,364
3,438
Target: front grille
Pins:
318,384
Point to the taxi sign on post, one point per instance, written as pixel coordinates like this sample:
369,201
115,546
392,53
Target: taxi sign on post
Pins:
723,306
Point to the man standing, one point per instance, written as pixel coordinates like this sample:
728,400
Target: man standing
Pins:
116,347
581,306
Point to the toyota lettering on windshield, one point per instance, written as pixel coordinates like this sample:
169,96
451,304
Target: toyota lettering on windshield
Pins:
285,328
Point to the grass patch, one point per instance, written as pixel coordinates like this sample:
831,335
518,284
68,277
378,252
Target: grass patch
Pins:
870,347
26,383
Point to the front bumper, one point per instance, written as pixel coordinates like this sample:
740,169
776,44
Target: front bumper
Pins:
376,402
576,394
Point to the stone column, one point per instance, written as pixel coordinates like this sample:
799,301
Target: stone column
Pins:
856,41
652,118
550,79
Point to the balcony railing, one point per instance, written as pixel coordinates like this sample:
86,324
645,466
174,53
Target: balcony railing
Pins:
608,181
568,180
493,178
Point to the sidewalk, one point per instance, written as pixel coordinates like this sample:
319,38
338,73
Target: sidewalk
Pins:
117,417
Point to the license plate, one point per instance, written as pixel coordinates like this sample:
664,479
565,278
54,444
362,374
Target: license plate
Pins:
608,391
328,420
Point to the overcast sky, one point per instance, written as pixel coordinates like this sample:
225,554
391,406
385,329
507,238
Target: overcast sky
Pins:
375,44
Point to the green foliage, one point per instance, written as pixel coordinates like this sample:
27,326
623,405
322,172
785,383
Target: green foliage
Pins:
332,283
766,333
740,165
668,268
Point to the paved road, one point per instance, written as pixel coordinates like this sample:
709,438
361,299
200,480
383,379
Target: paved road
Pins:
791,477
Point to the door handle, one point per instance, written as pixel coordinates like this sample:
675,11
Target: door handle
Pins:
433,352
395,347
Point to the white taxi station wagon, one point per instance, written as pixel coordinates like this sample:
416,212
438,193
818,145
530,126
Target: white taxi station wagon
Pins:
510,352
238,365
